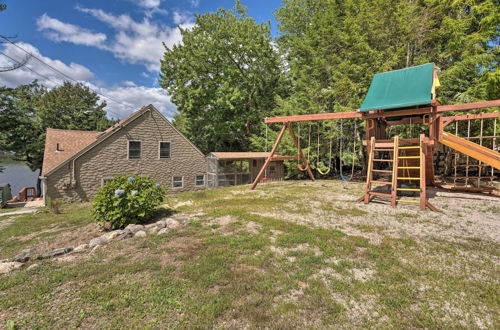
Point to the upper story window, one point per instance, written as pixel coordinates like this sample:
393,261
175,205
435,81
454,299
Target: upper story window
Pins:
164,150
134,149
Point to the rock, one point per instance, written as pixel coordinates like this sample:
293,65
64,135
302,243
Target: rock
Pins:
172,223
81,248
114,234
24,255
33,266
163,231
56,252
161,224
153,230
7,267
134,228
125,234
151,225
140,233
101,240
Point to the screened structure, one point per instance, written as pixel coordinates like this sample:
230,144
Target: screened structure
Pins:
236,168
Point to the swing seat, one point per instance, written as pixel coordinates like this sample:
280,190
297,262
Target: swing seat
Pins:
301,168
320,166
265,179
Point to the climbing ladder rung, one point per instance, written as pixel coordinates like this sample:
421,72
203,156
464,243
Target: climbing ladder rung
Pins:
408,189
407,178
410,147
380,182
409,157
374,193
409,167
407,201
382,171
383,160
382,149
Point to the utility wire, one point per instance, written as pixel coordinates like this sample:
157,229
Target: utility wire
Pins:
48,78
61,73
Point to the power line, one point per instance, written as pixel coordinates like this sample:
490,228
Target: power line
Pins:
27,67
61,73
48,78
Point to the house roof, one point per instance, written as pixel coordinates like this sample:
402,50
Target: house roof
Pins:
69,141
401,88
240,155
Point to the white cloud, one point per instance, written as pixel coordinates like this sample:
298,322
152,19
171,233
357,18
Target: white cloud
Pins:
60,31
136,42
149,3
131,96
50,78
180,18
128,83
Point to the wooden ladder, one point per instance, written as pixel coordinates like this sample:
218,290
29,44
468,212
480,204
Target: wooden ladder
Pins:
395,148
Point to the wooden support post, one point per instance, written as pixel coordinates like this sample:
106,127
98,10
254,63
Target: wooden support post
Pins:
299,151
395,165
269,157
423,150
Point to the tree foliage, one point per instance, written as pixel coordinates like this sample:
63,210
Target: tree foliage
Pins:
28,110
224,78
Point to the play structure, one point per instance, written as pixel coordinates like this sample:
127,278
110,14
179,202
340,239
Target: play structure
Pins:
399,167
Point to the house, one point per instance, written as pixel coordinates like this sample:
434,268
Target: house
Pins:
236,168
77,163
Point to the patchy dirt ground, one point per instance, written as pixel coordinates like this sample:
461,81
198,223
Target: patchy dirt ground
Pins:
287,255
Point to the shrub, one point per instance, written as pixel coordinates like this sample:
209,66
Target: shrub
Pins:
126,200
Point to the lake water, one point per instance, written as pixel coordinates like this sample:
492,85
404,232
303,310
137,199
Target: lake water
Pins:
18,176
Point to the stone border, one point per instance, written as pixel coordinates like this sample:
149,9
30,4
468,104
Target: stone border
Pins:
159,227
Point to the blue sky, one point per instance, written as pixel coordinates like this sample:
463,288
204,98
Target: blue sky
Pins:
113,46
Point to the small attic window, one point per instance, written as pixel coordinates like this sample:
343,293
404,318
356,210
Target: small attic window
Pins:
58,147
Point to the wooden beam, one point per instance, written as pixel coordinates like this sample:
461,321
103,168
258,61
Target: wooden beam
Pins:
314,117
472,117
278,158
268,159
468,106
382,114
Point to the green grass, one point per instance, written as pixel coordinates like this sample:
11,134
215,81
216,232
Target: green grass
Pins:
283,274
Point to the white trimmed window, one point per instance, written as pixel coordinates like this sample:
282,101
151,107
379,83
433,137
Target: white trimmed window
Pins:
177,182
200,180
134,149
164,149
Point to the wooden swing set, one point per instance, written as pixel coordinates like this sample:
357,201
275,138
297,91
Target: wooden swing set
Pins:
401,97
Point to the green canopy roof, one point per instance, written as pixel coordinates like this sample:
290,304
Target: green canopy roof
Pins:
400,88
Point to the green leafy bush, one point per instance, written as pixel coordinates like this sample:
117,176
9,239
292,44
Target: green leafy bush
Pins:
126,200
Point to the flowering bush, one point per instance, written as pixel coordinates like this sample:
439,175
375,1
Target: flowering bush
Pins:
126,200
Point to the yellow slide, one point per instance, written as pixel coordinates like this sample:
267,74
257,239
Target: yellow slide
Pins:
472,149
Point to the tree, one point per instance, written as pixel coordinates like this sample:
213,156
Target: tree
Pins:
72,106
224,78
28,110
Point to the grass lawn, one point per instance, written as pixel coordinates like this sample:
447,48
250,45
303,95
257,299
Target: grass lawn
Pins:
288,255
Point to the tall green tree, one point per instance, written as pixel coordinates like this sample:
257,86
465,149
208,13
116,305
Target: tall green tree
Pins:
28,110
335,47
224,78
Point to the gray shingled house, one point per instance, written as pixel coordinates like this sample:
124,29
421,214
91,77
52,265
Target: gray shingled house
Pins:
77,163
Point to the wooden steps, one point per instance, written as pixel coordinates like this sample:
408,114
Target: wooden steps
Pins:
413,168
